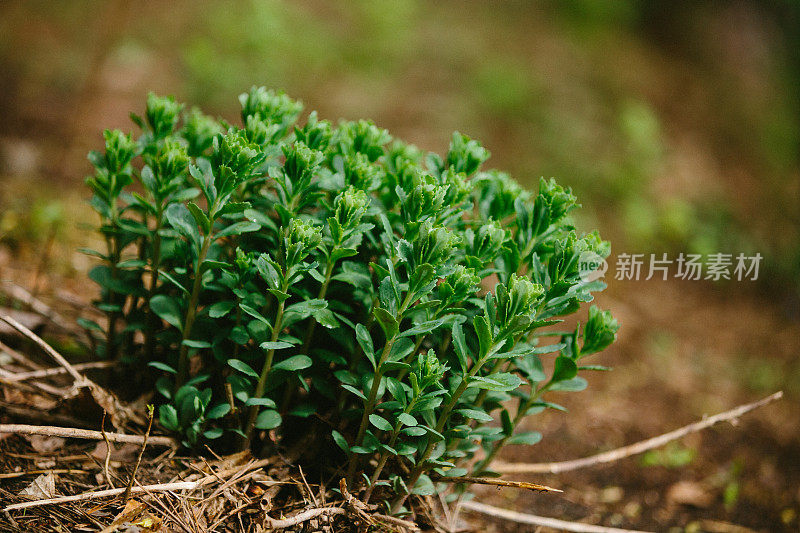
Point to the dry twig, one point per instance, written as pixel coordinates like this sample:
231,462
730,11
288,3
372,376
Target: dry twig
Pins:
18,357
632,449
74,433
496,482
541,521
119,413
79,379
12,475
160,487
109,449
57,371
127,493
303,516
24,296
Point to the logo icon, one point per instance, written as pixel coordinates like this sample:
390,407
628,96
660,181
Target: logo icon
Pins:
591,266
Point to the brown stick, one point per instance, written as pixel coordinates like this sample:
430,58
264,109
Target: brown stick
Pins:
109,449
18,357
47,372
127,493
632,449
310,514
304,516
74,433
496,482
24,296
160,487
46,347
120,414
12,475
534,520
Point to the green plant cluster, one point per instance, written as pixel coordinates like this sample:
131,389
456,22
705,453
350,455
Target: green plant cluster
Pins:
402,300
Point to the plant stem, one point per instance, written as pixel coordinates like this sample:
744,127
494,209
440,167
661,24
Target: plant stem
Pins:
522,408
191,313
111,339
441,422
369,405
323,290
384,457
152,322
252,413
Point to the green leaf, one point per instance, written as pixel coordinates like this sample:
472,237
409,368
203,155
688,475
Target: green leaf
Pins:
425,327
213,433
340,441
85,323
196,344
168,417
263,402
181,219
570,385
475,414
501,382
354,391
255,314
294,363
242,367
424,486
396,389
167,309
365,341
414,431
529,438
277,345
268,419
380,422
200,218
388,366
162,366
460,346
304,410
484,335
564,369
362,450
387,321
218,411
210,264
220,309
238,228
506,423
167,276
407,419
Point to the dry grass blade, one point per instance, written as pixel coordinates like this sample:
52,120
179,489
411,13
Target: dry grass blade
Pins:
540,521
22,295
496,483
632,449
18,357
88,434
127,493
160,487
303,516
48,372
119,414
79,379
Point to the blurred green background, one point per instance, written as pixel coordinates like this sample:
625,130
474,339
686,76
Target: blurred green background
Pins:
677,123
